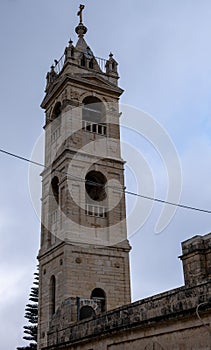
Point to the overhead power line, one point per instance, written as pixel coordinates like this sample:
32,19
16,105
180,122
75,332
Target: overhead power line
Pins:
158,200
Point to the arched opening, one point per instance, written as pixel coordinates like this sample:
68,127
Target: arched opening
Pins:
72,52
99,294
83,61
57,110
55,188
93,109
95,183
86,312
56,125
52,295
113,66
93,115
91,64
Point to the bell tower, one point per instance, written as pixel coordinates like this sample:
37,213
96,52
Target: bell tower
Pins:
84,253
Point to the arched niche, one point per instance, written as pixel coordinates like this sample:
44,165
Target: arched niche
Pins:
52,296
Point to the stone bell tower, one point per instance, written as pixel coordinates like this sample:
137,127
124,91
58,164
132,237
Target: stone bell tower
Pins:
84,253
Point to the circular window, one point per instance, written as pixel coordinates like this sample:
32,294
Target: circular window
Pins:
95,185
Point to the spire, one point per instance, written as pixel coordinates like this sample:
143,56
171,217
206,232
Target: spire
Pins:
81,29
111,65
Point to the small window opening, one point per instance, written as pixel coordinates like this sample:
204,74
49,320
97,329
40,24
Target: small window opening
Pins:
88,127
86,312
57,110
99,294
52,295
94,128
100,129
91,64
83,61
55,188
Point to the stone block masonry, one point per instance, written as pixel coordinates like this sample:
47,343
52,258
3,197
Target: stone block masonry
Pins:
168,319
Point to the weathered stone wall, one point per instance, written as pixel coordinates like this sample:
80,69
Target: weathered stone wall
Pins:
164,321
196,259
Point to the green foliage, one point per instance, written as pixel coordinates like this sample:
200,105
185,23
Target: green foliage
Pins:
31,314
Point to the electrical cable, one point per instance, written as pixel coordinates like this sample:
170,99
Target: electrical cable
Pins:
116,188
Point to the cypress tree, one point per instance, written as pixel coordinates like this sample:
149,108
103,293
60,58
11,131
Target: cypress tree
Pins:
31,314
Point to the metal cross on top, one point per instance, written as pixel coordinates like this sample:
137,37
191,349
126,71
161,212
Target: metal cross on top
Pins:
80,13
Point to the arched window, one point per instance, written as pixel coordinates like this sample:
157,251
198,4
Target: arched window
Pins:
56,122
93,115
99,294
96,204
55,188
52,294
86,312
57,110
93,110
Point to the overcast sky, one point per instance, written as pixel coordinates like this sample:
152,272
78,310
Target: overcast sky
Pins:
164,54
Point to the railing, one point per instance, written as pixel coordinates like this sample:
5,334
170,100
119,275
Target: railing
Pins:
96,211
101,63
59,64
100,129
